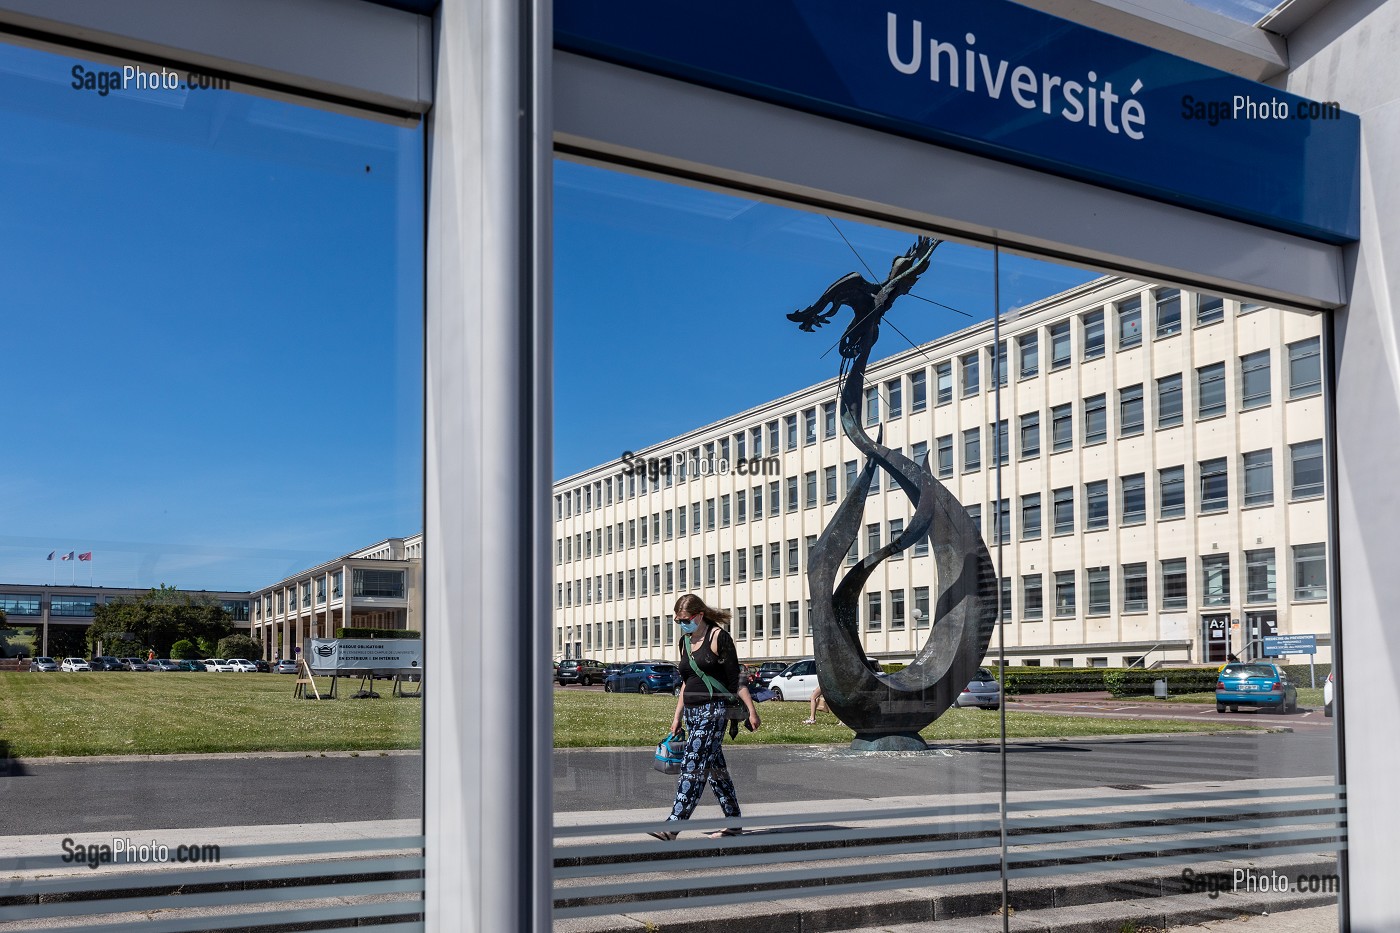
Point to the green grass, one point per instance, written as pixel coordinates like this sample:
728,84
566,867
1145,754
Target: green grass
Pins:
161,714
166,713
1307,696
583,720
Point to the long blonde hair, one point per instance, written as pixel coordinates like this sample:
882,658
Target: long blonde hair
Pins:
693,605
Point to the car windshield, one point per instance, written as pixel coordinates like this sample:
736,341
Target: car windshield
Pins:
44,660
984,674
1248,670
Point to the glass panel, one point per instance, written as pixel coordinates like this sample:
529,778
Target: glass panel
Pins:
216,299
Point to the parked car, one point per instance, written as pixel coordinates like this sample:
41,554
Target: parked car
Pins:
73,665
1327,691
983,691
797,681
748,676
163,664
133,664
242,666
49,666
1256,683
262,666
217,665
768,670
611,669
191,665
286,666
106,663
581,671
645,677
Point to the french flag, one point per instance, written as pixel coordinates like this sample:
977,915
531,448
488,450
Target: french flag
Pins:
68,556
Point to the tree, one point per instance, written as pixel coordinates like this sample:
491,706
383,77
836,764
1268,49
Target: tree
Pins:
159,618
239,646
185,649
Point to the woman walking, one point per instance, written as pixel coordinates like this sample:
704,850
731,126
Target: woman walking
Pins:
709,665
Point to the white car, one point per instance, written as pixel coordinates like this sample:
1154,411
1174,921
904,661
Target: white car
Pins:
218,665
73,665
242,666
796,682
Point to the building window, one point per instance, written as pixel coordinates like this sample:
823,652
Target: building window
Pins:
972,450
894,396
1309,571
741,623
873,621
773,444
1003,444
999,364
829,484
809,482
1059,345
872,537
1134,492
758,622
1003,521
1096,505
1093,335
850,475
829,420
1004,610
1100,592
1130,323
1168,301
872,405
1095,420
1130,411
790,429
945,456
709,519
1064,593
809,427
1259,477
1215,485
1304,368
1030,517
1135,587
918,391
1259,581
974,512
896,529
1029,346
971,378
1061,428
1306,460
792,558
1254,380
774,502
724,567
921,619
741,511
896,611
723,514
1169,401
1172,492
1064,511
1032,603
943,372
1174,584
1210,309
1210,391
1030,435
775,559
378,584
794,619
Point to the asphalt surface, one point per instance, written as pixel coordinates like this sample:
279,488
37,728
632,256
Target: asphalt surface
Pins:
99,795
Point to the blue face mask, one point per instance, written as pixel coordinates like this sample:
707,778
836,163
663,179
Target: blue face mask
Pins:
688,626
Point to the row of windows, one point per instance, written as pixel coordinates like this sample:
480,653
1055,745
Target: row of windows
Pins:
886,399
1305,481
893,611
1254,380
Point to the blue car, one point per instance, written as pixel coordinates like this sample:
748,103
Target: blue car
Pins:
1254,683
645,677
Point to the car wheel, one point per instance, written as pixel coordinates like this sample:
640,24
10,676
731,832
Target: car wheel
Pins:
1220,707
644,689
1327,711
607,686
777,693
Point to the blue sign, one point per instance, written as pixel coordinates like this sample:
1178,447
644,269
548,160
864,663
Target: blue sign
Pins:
1001,80
1275,645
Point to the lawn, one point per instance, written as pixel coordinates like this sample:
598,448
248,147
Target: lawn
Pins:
160,714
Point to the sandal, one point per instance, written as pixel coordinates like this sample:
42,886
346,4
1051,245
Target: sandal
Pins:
809,722
664,836
727,831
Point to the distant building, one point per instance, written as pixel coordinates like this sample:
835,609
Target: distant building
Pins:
385,591
1162,492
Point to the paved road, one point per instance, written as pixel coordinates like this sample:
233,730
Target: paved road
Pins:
1103,707
98,795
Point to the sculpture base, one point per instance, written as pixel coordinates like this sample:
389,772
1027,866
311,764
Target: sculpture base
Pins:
888,742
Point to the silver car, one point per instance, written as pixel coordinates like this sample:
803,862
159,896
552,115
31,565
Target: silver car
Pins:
983,691
43,666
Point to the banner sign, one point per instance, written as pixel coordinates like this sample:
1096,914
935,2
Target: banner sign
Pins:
346,655
1004,81
1276,645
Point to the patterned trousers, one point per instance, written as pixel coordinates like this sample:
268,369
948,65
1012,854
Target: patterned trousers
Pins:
704,760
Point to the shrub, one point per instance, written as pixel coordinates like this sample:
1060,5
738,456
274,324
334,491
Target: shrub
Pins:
183,649
1019,681
239,646
1138,682
377,633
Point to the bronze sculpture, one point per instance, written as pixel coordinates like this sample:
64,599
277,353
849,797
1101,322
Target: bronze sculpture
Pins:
887,711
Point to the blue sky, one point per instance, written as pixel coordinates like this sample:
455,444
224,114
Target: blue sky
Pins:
212,325
671,302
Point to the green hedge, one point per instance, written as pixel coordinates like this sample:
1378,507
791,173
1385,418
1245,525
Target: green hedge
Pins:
1123,682
377,633
1019,681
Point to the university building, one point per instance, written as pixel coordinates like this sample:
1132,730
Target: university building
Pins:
1162,493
